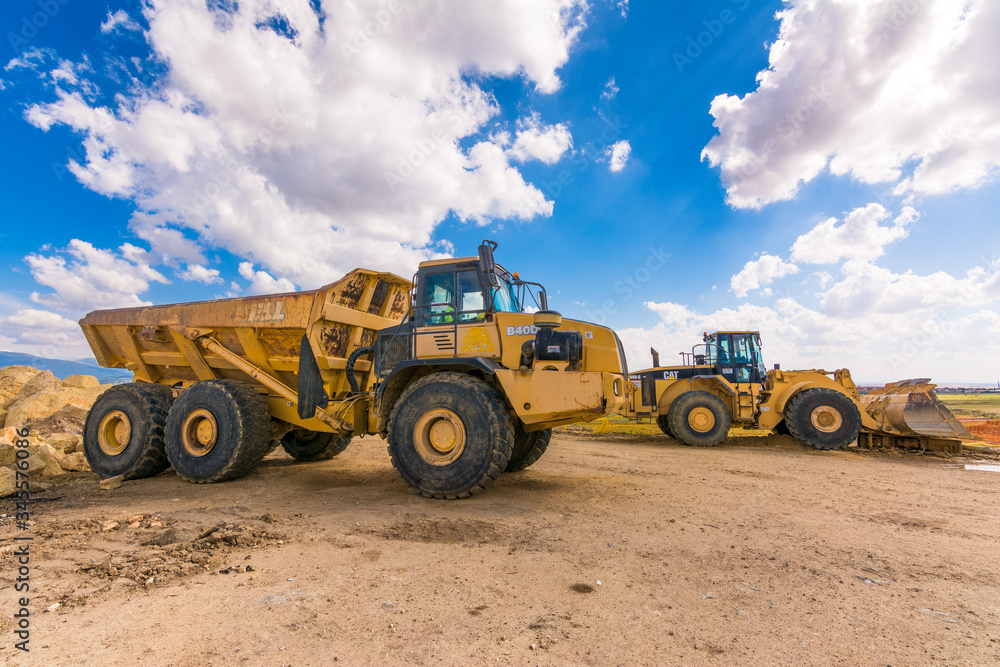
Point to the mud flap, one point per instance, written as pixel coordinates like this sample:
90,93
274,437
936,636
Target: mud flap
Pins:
311,392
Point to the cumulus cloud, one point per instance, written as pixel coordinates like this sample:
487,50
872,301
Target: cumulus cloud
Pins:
200,274
309,141
87,278
535,141
760,272
262,282
620,152
860,237
868,90
43,334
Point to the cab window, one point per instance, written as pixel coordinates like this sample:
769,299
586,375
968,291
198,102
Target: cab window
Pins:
452,297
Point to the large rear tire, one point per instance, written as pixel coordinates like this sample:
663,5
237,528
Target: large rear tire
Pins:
823,419
699,419
450,435
217,430
303,445
123,432
528,448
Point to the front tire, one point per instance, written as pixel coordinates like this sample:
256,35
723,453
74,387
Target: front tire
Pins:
699,419
123,432
217,430
528,448
664,425
450,435
303,445
823,419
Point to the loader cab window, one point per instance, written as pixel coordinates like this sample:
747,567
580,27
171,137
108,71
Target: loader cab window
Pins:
747,360
453,297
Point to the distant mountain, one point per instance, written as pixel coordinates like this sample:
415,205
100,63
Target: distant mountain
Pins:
61,368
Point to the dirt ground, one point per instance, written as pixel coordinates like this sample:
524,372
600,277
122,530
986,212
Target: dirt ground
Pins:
608,551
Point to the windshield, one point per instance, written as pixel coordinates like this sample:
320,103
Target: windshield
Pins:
504,299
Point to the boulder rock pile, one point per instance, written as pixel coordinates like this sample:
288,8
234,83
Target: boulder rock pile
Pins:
53,410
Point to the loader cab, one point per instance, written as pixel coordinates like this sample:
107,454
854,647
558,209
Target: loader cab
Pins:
735,355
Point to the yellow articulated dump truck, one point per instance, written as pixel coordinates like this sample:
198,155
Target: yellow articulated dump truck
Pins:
723,383
450,369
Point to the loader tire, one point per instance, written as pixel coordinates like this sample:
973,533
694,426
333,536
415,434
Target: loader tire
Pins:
123,432
303,445
450,435
823,419
664,425
217,430
699,419
528,448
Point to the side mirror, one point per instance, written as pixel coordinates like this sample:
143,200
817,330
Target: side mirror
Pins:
486,263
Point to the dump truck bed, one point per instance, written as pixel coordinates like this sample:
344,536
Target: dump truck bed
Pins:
156,342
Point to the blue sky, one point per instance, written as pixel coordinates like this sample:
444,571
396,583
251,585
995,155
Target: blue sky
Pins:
822,171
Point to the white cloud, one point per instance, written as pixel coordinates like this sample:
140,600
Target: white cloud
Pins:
761,272
91,278
200,274
120,19
610,89
547,143
261,282
43,334
867,89
620,152
310,149
622,7
860,237
31,58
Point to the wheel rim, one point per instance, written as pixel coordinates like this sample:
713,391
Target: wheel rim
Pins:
199,432
701,420
439,437
114,432
826,419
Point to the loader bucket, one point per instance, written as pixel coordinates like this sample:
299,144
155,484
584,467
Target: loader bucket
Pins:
911,408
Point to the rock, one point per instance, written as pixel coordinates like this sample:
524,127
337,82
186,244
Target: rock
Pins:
42,460
43,381
53,607
8,456
109,525
137,517
75,462
176,534
81,381
112,483
7,477
3,417
64,442
12,378
57,402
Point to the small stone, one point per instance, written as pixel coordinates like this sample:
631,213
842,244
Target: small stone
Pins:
155,524
112,483
137,517
533,647
109,525
52,607
135,524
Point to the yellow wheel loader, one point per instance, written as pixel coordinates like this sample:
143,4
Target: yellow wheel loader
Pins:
723,383
449,368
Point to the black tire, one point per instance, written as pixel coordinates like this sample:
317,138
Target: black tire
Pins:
459,411
781,428
217,430
528,448
823,419
664,425
699,419
303,445
135,413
